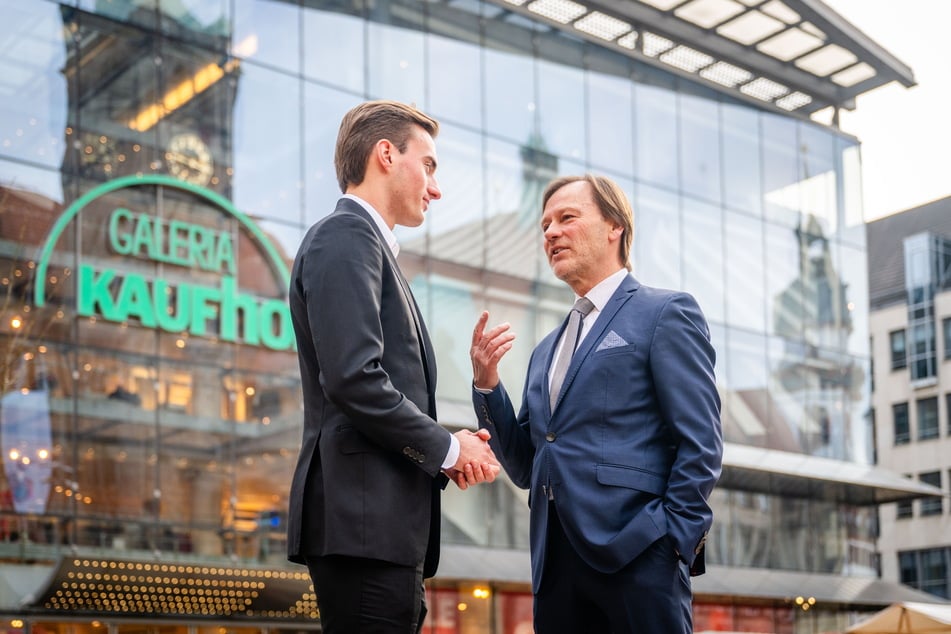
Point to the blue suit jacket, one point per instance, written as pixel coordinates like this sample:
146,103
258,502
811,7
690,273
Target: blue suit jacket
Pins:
633,447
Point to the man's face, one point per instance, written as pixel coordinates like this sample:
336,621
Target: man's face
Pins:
414,179
581,245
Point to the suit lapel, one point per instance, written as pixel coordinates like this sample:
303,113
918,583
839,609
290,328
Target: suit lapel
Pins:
624,292
426,348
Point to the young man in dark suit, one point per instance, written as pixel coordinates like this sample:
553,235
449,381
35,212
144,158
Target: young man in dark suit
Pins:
618,438
364,502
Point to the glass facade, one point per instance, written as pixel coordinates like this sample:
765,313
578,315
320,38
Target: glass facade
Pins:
163,431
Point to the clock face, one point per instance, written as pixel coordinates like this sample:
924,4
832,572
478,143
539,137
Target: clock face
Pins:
189,159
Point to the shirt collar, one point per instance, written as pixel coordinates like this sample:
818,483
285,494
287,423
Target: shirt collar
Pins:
388,234
603,290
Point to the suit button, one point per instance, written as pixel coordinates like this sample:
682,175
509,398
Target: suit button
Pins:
550,436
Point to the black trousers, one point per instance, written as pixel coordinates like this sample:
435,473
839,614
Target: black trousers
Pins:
650,595
367,596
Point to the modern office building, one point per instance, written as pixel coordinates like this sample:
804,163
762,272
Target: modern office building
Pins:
161,159
909,255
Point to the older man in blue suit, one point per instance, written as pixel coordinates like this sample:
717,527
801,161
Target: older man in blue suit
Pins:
618,436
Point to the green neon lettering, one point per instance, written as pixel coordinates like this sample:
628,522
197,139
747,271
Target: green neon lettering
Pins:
120,241
135,301
224,254
142,237
275,313
204,307
171,318
200,241
94,291
176,244
231,303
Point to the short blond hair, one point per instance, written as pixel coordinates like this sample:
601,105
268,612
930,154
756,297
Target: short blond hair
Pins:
368,123
610,199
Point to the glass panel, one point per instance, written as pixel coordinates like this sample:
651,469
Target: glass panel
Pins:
927,409
656,133
455,223
561,99
946,327
742,178
898,352
818,177
510,101
610,119
267,179
853,282
205,22
745,279
331,34
931,505
268,32
142,13
780,170
901,424
700,147
454,68
395,58
657,236
745,414
785,286
323,110
33,88
853,224
703,261
515,177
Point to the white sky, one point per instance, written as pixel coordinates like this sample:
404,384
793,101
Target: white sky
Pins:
905,132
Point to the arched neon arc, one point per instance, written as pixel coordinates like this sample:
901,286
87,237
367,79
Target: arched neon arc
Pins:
39,296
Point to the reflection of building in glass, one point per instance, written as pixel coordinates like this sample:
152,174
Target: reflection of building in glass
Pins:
909,255
171,447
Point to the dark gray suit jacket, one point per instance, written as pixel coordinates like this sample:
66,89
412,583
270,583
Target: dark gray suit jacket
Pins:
368,477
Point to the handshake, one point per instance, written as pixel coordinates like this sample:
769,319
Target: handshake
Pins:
476,463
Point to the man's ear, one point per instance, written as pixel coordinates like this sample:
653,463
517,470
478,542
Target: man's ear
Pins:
383,152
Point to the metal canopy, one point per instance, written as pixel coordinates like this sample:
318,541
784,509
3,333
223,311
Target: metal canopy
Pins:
795,56
783,473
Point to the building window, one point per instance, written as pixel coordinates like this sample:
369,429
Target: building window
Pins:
934,572
928,418
903,509
901,425
908,568
899,354
947,337
947,410
931,505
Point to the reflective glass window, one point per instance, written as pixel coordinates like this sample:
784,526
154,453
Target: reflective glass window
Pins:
610,117
703,256
267,178
781,186
899,355
946,328
333,33
268,32
908,568
204,22
657,236
323,109
742,173
746,418
456,222
745,279
927,410
785,285
936,571
853,213
901,425
454,67
395,53
853,284
510,101
818,176
35,39
700,147
932,505
561,98
656,133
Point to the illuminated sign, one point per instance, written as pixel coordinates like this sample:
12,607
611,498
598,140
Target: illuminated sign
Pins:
118,296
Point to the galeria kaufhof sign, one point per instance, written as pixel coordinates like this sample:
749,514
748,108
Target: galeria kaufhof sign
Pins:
118,296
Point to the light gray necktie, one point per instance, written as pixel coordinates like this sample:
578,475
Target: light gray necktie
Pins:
578,312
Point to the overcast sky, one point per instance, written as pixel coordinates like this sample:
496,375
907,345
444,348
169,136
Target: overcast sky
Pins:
905,132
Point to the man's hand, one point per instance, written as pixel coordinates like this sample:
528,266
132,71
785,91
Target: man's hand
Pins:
487,350
477,462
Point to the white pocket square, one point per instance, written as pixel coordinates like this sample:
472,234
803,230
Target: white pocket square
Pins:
611,340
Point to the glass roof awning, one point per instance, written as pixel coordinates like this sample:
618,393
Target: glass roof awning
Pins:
759,470
796,56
